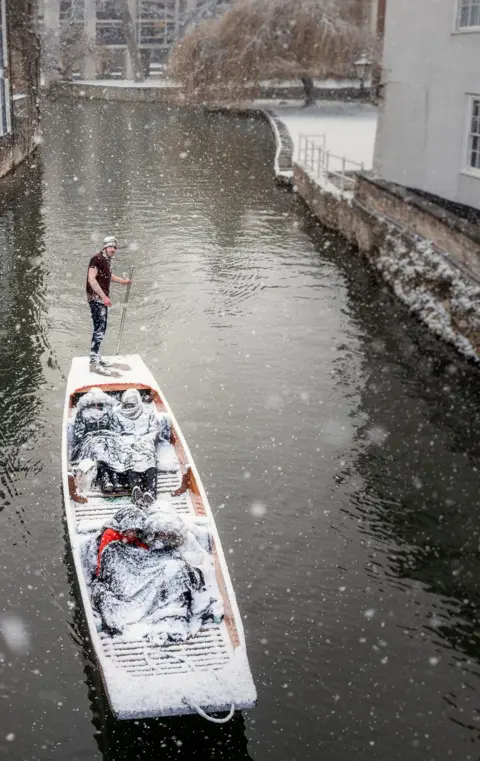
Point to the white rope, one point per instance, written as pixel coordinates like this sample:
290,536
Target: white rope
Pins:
204,715
191,704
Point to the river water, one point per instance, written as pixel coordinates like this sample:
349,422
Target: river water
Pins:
338,443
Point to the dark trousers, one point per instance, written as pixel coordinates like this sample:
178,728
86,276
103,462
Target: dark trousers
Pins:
147,481
99,317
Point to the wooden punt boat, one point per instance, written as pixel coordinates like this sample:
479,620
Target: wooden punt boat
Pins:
208,672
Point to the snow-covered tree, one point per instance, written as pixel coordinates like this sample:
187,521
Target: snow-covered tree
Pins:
272,39
202,10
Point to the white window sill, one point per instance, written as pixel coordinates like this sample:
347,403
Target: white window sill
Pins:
466,30
475,173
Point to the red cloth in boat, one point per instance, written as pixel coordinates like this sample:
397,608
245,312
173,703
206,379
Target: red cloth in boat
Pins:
112,535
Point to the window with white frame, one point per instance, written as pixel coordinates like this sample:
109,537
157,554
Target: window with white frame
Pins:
109,30
5,113
468,14
474,136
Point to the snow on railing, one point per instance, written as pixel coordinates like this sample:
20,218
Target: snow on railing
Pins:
326,167
310,149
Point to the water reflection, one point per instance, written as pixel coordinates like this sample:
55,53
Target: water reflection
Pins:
411,478
180,738
23,341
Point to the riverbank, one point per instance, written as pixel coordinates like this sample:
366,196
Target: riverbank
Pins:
161,89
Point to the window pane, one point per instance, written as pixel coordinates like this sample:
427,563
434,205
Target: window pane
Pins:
475,128
108,10
469,13
475,152
110,34
72,9
153,32
170,33
151,9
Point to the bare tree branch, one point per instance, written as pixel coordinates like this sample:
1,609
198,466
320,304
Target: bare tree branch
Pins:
257,40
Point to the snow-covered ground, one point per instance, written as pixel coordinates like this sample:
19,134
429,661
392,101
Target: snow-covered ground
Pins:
147,83
350,128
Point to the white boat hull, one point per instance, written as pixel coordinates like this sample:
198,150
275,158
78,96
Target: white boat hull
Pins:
209,672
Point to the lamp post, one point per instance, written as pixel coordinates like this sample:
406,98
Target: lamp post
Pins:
363,68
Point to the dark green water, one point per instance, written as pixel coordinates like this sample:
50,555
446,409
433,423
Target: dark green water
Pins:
300,385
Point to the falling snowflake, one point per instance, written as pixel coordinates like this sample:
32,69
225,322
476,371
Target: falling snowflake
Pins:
258,509
15,634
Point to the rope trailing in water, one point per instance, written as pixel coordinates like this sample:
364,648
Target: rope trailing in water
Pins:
188,703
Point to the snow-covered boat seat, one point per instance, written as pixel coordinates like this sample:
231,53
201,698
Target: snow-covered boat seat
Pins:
167,460
197,534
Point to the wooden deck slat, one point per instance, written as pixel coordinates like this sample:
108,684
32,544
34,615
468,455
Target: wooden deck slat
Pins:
207,650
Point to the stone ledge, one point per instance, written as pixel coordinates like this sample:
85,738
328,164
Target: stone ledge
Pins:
458,238
421,203
439,293
137,94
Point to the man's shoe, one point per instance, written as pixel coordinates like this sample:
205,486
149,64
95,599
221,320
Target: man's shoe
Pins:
96,367
106,485
148,499
137,497
105,363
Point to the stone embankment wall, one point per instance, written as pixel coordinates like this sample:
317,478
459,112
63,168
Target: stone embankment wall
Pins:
17,146
24,51
134,94
152,91
430,259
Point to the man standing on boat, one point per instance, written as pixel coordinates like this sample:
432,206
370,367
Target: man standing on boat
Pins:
98,292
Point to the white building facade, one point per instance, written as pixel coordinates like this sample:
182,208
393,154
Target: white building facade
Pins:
429,127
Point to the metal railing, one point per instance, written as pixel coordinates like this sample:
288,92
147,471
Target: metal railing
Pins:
325,166
310,149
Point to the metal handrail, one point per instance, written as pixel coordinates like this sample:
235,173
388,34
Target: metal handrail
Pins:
317,160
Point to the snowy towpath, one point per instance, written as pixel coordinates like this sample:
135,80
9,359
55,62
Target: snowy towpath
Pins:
350,128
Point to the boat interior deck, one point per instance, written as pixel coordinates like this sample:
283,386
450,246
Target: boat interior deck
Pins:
215,643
